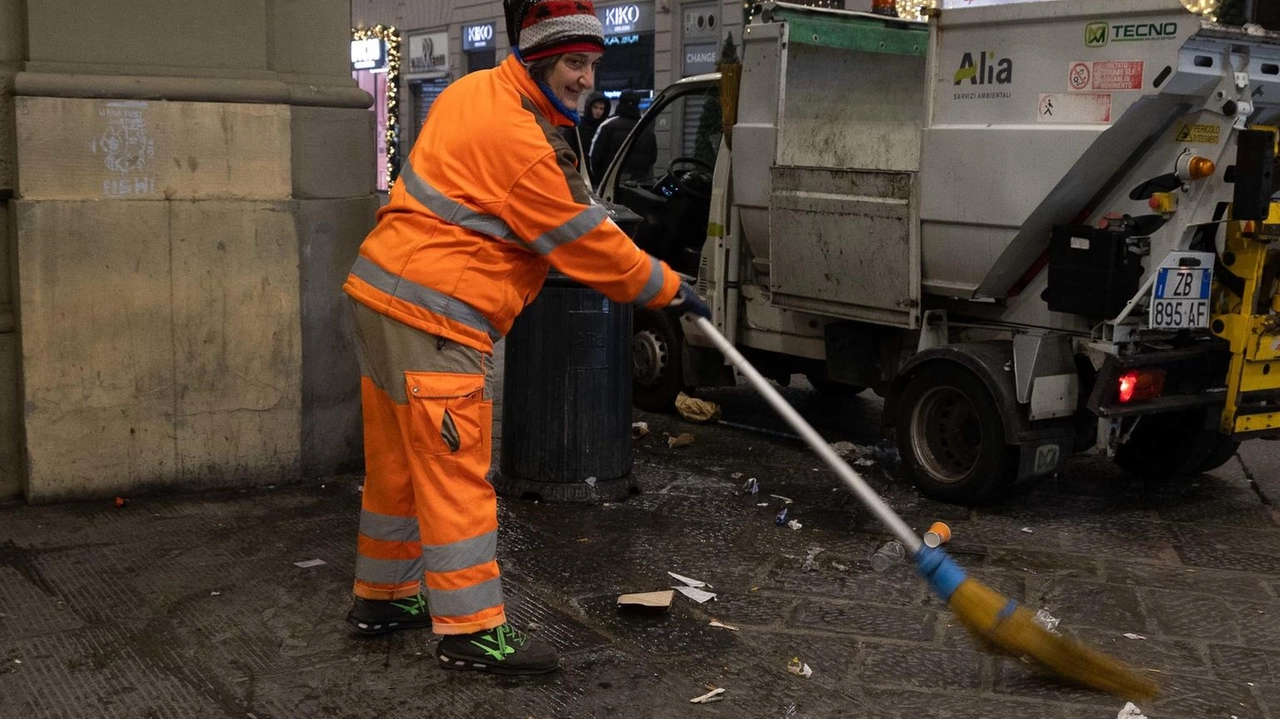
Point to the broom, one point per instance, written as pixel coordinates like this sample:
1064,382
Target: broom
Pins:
992,619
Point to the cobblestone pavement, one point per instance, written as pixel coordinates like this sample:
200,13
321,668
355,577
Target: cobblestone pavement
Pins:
192,606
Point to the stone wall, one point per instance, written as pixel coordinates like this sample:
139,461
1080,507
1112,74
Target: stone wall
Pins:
184,186
12,52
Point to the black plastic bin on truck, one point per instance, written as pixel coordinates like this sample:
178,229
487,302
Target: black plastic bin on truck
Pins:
566,396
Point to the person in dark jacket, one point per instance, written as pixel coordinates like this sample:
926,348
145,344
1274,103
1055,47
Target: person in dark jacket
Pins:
611,134
597,111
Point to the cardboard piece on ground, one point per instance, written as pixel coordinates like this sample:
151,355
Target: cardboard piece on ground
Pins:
647,601
696,410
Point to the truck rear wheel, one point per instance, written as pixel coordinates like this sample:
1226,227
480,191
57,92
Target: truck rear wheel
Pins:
657,344
1224,449
951,436
1173,445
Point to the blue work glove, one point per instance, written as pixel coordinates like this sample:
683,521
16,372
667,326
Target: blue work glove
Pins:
688,302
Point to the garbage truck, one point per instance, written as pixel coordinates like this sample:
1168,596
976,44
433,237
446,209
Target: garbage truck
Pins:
1036,228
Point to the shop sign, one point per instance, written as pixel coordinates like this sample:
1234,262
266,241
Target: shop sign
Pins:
429,54
478,37
699,59
368,54
626,19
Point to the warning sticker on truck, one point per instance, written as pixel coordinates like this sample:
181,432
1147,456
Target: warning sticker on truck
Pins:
1199,134
1074,108
1079,76
1118,75
1106,75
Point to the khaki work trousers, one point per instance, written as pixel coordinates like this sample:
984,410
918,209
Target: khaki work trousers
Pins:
428,515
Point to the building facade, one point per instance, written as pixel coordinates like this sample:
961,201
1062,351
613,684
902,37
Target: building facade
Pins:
649,44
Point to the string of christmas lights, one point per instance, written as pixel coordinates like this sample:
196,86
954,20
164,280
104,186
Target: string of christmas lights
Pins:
1208,8
389,35
914,9
910,9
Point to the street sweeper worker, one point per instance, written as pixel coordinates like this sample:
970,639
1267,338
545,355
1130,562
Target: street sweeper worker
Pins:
489,199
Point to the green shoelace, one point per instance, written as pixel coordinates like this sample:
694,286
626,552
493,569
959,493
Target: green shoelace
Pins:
414,605
496,645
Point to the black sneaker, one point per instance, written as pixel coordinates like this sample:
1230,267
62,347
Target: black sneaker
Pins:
501,650
373,616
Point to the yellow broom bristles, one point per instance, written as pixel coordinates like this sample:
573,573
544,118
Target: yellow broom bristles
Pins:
980,610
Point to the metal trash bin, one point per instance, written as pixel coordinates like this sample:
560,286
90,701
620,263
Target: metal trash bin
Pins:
566,395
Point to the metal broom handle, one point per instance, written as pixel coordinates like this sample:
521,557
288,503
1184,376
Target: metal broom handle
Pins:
883,511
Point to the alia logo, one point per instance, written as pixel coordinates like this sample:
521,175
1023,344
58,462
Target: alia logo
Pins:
986,70
1096,34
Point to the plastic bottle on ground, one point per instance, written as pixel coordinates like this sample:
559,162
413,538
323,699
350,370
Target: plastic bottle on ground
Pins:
889,554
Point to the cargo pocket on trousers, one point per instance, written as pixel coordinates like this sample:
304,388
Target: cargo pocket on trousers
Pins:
446,410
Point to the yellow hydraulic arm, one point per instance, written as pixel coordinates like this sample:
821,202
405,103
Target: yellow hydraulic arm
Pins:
1249,318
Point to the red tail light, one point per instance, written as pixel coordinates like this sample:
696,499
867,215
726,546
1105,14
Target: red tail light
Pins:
1140,384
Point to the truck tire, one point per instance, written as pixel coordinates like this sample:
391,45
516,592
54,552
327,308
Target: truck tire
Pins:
1223,450
657,345
951,436
1173,445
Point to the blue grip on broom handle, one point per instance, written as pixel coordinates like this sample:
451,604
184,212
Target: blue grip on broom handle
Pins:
883,512
940,571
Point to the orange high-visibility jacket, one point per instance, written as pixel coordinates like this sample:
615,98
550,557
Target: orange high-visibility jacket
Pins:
488,200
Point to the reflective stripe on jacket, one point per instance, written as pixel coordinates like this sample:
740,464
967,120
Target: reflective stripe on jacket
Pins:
488,200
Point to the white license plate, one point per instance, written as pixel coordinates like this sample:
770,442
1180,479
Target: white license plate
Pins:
1180,298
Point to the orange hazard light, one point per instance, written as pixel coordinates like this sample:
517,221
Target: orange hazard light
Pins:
1201,167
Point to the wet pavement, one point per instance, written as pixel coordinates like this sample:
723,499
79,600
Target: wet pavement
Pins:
192,606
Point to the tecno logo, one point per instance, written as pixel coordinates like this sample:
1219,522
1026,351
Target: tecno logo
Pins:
1099,34
1143,31
622,15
